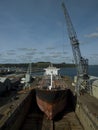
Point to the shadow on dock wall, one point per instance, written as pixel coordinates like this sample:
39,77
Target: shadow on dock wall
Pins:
71,101
34,118
70,107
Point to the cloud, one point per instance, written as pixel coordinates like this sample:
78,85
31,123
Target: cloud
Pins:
11,50
92,35
27,49
45,58
65,52
67,57
10,53
4,55
58,53
55,54
96,28
94,55
30,53
50,48
59,23
24,58
1,55
41,53
8,60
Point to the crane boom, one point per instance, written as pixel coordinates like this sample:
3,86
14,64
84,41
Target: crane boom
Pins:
80,62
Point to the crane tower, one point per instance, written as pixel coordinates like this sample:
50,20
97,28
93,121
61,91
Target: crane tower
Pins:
80,62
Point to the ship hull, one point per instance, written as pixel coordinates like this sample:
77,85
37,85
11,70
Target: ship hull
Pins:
51,102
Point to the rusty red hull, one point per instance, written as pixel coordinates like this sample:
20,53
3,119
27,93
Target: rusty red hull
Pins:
51,102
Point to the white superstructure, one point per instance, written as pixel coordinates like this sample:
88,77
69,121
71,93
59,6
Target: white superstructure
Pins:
51,70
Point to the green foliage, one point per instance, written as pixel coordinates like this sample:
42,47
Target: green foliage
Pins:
37,65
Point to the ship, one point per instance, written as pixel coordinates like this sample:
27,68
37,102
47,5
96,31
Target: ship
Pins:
51,93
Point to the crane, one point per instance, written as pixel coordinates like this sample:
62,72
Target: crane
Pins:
80,62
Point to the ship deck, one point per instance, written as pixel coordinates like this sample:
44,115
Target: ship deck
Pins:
57,83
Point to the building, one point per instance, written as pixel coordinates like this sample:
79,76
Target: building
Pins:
51,70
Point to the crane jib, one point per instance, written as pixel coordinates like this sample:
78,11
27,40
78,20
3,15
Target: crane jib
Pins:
80,62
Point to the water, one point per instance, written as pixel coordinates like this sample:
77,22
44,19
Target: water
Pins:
68,71
93,70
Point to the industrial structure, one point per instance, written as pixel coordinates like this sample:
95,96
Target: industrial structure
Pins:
26,80
80,62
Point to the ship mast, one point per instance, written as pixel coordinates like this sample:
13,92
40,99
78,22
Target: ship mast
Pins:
51,80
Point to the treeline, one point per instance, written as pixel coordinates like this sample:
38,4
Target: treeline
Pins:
37,65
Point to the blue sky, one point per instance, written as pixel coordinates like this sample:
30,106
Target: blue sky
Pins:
35,30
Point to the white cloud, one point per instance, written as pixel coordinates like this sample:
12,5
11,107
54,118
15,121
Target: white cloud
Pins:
92,35
50,48
41,53
10,53
27,49
30,53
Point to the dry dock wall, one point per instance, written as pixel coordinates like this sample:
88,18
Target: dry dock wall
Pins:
94,85
86,118
95,89
18,113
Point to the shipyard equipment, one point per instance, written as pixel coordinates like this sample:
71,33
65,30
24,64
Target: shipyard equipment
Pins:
81,63
26,81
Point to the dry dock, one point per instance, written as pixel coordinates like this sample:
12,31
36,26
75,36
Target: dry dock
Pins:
36,120
39,122
20,112
23,113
